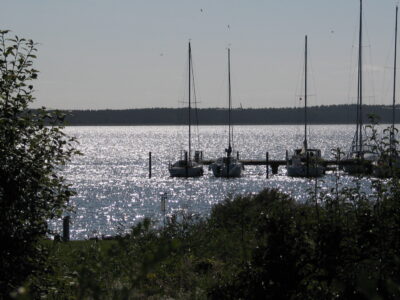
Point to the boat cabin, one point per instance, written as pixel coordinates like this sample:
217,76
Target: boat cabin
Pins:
183,164
310,152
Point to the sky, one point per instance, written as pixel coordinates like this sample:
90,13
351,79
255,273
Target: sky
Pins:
119,54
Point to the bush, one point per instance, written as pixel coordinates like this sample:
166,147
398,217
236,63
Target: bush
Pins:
264,246
31,155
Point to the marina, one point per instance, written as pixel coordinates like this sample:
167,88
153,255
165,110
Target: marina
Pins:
114,191
199,150
128,170
275,164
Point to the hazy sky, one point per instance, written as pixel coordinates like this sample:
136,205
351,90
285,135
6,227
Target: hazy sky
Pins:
115,54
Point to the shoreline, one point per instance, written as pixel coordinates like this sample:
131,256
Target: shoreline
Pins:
204,125
317,115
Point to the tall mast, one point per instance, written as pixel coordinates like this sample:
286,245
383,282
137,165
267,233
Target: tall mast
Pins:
230,102
305,94
189,108
394,86
360,117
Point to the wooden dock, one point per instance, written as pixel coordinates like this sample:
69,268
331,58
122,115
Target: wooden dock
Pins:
274,164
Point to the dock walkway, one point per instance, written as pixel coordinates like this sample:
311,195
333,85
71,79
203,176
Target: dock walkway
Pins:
274,164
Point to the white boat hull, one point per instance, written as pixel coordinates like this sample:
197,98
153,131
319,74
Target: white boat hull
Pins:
181,169
303,171
223,169
363,166
383,169
357,169
297,166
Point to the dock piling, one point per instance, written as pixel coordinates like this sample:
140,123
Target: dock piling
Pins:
65,236
164,205
197,156
266,164
186,165
274,167
149,164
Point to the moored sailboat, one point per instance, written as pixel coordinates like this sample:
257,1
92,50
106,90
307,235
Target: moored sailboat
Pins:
186,167
388,163
228,166
305,162
361,154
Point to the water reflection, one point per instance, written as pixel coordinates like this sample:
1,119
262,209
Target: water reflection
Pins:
114,191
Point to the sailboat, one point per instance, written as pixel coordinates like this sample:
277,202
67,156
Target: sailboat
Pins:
228,166
389,162
186,167
305,162
361,154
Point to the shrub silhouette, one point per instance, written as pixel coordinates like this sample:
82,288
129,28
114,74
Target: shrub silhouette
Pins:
31,154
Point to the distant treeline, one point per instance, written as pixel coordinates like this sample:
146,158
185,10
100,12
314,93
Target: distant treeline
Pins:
333,114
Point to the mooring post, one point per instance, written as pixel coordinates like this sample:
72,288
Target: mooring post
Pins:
266,164
149,164
275,168
287,156
65,236
186,165
164,205
237,155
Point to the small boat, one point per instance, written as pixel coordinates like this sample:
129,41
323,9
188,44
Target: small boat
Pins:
361,154
386,167
186,167
228,166
305,162
388,164
360,159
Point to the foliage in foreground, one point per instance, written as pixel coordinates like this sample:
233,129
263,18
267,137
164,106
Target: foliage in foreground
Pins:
31,189
264,246
340,245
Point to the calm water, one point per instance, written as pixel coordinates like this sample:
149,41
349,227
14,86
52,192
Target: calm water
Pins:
114,191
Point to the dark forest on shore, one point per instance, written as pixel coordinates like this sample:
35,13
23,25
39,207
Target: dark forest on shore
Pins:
333,114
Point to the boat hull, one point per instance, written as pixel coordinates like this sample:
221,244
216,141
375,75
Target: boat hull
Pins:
358,169
223,169
303,171
383,169
183,168
305,163
186,171
361,166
